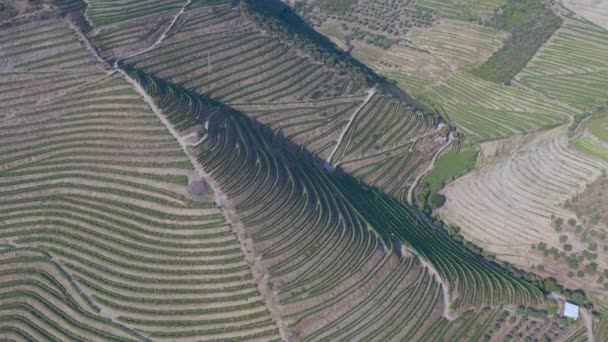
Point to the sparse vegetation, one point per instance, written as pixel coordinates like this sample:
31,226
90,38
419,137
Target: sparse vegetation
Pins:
381,23
335,6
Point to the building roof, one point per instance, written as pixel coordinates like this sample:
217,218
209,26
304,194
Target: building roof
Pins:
571,310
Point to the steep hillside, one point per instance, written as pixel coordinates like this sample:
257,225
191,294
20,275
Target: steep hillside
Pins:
91,177
196,170
507,206
330,112
314,234
521,79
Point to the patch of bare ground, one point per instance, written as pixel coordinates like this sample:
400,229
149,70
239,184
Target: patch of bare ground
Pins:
505,206
411,59
591,207
595,11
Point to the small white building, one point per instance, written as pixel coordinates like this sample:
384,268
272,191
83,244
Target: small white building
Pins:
571,310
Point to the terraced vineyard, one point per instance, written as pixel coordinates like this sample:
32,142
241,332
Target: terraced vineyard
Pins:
181,170
431,55
329,114
596,12
488,111
256,73
40,301
282,175
103,12
519,192
592,146
92,181
459,44
95,182
317,264
572,67
466,10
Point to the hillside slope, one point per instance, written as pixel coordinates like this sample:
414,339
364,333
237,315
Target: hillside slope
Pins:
185,187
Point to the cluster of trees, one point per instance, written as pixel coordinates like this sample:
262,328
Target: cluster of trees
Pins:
281,21
531,24
380,40
370,38
430,200
577,296
573,260
277,18
339,7
7,11
577,119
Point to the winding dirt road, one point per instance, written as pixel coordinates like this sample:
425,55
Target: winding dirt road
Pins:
410,193
370,93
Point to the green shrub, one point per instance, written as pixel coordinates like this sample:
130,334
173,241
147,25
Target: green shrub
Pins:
436,200
530,25
578,297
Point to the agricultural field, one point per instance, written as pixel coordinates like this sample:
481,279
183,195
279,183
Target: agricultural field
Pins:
592,146
381,24
530,24
519,186
583,235
102,13
93,185
427,57
439,65
239,135
593,139
598,126
460,44
572,66
592,10
449,166
330,114
198,170
522,323
465,10
487,111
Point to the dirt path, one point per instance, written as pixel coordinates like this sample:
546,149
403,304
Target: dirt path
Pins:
370,93
193,135
258,271
410,193
447,313
164,34
87,43
588,321
89,301
87,5
414,139
220,198
585,316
